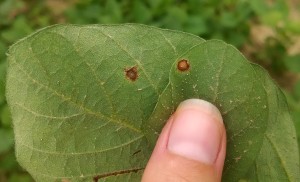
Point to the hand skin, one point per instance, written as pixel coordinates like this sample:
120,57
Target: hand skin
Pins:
191,146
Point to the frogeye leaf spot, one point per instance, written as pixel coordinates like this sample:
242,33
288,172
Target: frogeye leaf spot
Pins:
183,65
131,73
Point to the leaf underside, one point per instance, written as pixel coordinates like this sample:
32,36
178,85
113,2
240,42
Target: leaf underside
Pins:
88,102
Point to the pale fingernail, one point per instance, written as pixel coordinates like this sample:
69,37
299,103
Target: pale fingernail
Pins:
196,132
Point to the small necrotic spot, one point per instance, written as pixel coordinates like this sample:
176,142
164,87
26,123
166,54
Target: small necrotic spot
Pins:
183,65
131,73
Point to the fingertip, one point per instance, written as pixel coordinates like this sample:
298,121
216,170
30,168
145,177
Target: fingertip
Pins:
194,136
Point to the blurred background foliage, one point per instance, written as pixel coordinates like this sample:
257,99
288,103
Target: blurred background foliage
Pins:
266,31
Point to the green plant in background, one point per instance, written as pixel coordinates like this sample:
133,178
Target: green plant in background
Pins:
267,32
95,95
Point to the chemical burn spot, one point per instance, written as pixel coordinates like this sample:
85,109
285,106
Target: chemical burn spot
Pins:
183,65
131,73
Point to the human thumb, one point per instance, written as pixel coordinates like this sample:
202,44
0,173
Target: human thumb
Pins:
191,146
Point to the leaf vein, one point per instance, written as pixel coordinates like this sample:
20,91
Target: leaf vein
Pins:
278,154
80,106
47,116
218,74
135,60
82,153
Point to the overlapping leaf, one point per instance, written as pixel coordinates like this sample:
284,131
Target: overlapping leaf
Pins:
88,102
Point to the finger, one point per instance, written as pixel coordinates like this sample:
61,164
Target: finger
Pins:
191,146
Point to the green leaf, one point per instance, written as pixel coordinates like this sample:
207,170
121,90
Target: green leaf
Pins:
196,25
271,13
113,8
141,12
175,17
3,50
293,63
94,99
20,177
5,116
296,92
3,65
278,159
8,162
293,26
7,8
6,139
229,19
18,29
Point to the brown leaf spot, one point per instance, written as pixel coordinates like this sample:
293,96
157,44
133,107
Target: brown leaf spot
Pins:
183,65
131,73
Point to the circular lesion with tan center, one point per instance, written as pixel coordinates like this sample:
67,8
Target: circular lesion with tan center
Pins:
131,73
183,65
